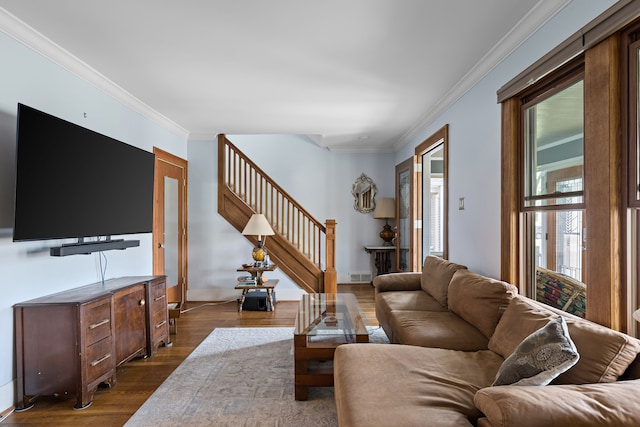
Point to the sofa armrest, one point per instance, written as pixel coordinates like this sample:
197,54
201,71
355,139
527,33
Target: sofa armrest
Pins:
408,281
602,404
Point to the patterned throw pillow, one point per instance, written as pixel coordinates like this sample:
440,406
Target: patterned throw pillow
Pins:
540,358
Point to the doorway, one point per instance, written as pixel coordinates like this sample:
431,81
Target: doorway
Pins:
432,196
170,223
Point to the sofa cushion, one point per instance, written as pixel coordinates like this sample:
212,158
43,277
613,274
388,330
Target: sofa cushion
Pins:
612,405
479,300
540,358
404,281
407,300
390,385
436,275
435,329
604,353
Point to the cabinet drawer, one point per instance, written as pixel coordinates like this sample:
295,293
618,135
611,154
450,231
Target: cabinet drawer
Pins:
158,293
97,321
159,314
100,359
160,330
159,320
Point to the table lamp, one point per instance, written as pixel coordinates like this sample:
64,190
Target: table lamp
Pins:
258,226
385,209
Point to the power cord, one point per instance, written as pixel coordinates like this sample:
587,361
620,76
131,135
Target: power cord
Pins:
207,303
103,271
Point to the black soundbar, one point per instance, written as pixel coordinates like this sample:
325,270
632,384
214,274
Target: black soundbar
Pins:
85,248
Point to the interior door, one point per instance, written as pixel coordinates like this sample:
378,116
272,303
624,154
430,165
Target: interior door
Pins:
405,228
170,223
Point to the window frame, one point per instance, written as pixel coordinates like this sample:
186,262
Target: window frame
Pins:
609,276
633,138
553,84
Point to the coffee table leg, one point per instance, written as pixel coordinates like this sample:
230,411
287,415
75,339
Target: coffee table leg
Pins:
301,367
302,391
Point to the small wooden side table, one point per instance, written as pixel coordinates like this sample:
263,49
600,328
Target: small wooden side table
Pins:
267,286
257,271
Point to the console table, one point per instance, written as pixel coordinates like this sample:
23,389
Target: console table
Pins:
382,257
70,342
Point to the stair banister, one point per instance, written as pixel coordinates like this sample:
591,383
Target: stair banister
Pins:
298,233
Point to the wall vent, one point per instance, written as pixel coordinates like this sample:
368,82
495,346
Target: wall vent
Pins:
360,277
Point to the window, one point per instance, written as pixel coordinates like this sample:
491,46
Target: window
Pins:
554,147
552,194
633,165
591,233
634,122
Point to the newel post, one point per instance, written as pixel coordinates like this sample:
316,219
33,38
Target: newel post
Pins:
330,275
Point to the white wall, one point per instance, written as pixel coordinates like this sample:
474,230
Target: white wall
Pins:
474,144
26,269
317,178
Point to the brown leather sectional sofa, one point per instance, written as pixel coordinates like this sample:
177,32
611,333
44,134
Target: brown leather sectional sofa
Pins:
452,330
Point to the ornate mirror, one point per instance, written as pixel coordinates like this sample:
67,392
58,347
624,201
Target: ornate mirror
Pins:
364,194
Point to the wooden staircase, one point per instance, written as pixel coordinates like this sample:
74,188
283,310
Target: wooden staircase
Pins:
302,247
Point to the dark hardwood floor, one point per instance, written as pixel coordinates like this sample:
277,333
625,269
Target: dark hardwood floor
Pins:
138,379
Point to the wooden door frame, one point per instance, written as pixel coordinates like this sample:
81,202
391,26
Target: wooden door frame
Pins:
441,136
158,263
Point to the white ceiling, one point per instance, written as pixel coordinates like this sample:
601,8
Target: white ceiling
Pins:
354,75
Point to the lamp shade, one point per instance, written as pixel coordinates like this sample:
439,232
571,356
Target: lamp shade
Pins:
385,208
636,315
258,226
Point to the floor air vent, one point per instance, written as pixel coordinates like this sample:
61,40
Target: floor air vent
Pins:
360,277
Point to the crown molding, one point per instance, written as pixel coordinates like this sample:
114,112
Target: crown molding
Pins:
28,36
203,136
359,149
525,28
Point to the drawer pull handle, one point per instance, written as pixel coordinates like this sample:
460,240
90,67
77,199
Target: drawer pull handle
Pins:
142,302
95,325
159,298
161,324
102,359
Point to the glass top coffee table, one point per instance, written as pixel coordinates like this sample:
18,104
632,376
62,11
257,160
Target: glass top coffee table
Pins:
323,322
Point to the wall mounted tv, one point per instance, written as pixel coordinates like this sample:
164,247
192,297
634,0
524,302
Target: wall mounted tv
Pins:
72,182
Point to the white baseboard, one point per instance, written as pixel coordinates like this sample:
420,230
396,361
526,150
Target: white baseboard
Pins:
7,397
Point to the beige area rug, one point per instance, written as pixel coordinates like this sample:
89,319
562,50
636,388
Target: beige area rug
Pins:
239,377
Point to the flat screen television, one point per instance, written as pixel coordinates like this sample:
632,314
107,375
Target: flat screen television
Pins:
72,182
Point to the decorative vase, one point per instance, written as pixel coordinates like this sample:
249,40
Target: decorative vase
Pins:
258,252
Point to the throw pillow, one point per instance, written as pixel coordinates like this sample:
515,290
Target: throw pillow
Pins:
540,358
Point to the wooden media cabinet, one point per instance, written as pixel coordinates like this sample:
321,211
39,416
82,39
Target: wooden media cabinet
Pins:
70,342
